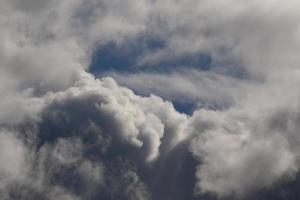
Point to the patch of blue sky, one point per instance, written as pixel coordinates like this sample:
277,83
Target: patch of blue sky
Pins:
185,107
124,58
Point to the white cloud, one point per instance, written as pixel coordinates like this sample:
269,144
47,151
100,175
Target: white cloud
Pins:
141,121
251,145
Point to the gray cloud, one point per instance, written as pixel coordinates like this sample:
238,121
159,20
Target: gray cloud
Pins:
250,142
91,141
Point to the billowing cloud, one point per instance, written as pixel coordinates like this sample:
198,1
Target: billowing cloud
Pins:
82,136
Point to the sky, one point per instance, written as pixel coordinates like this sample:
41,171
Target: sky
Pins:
149,100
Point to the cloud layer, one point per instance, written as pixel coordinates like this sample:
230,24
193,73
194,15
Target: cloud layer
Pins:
67,135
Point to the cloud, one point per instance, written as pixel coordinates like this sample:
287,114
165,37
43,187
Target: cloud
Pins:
249,142
88,130
207,89
90,140
230,32
115,110
13,158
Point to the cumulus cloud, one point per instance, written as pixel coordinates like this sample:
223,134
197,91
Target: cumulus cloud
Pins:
116,110
82,137
251,142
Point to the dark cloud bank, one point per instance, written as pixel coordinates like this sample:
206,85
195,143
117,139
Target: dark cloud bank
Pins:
68,135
